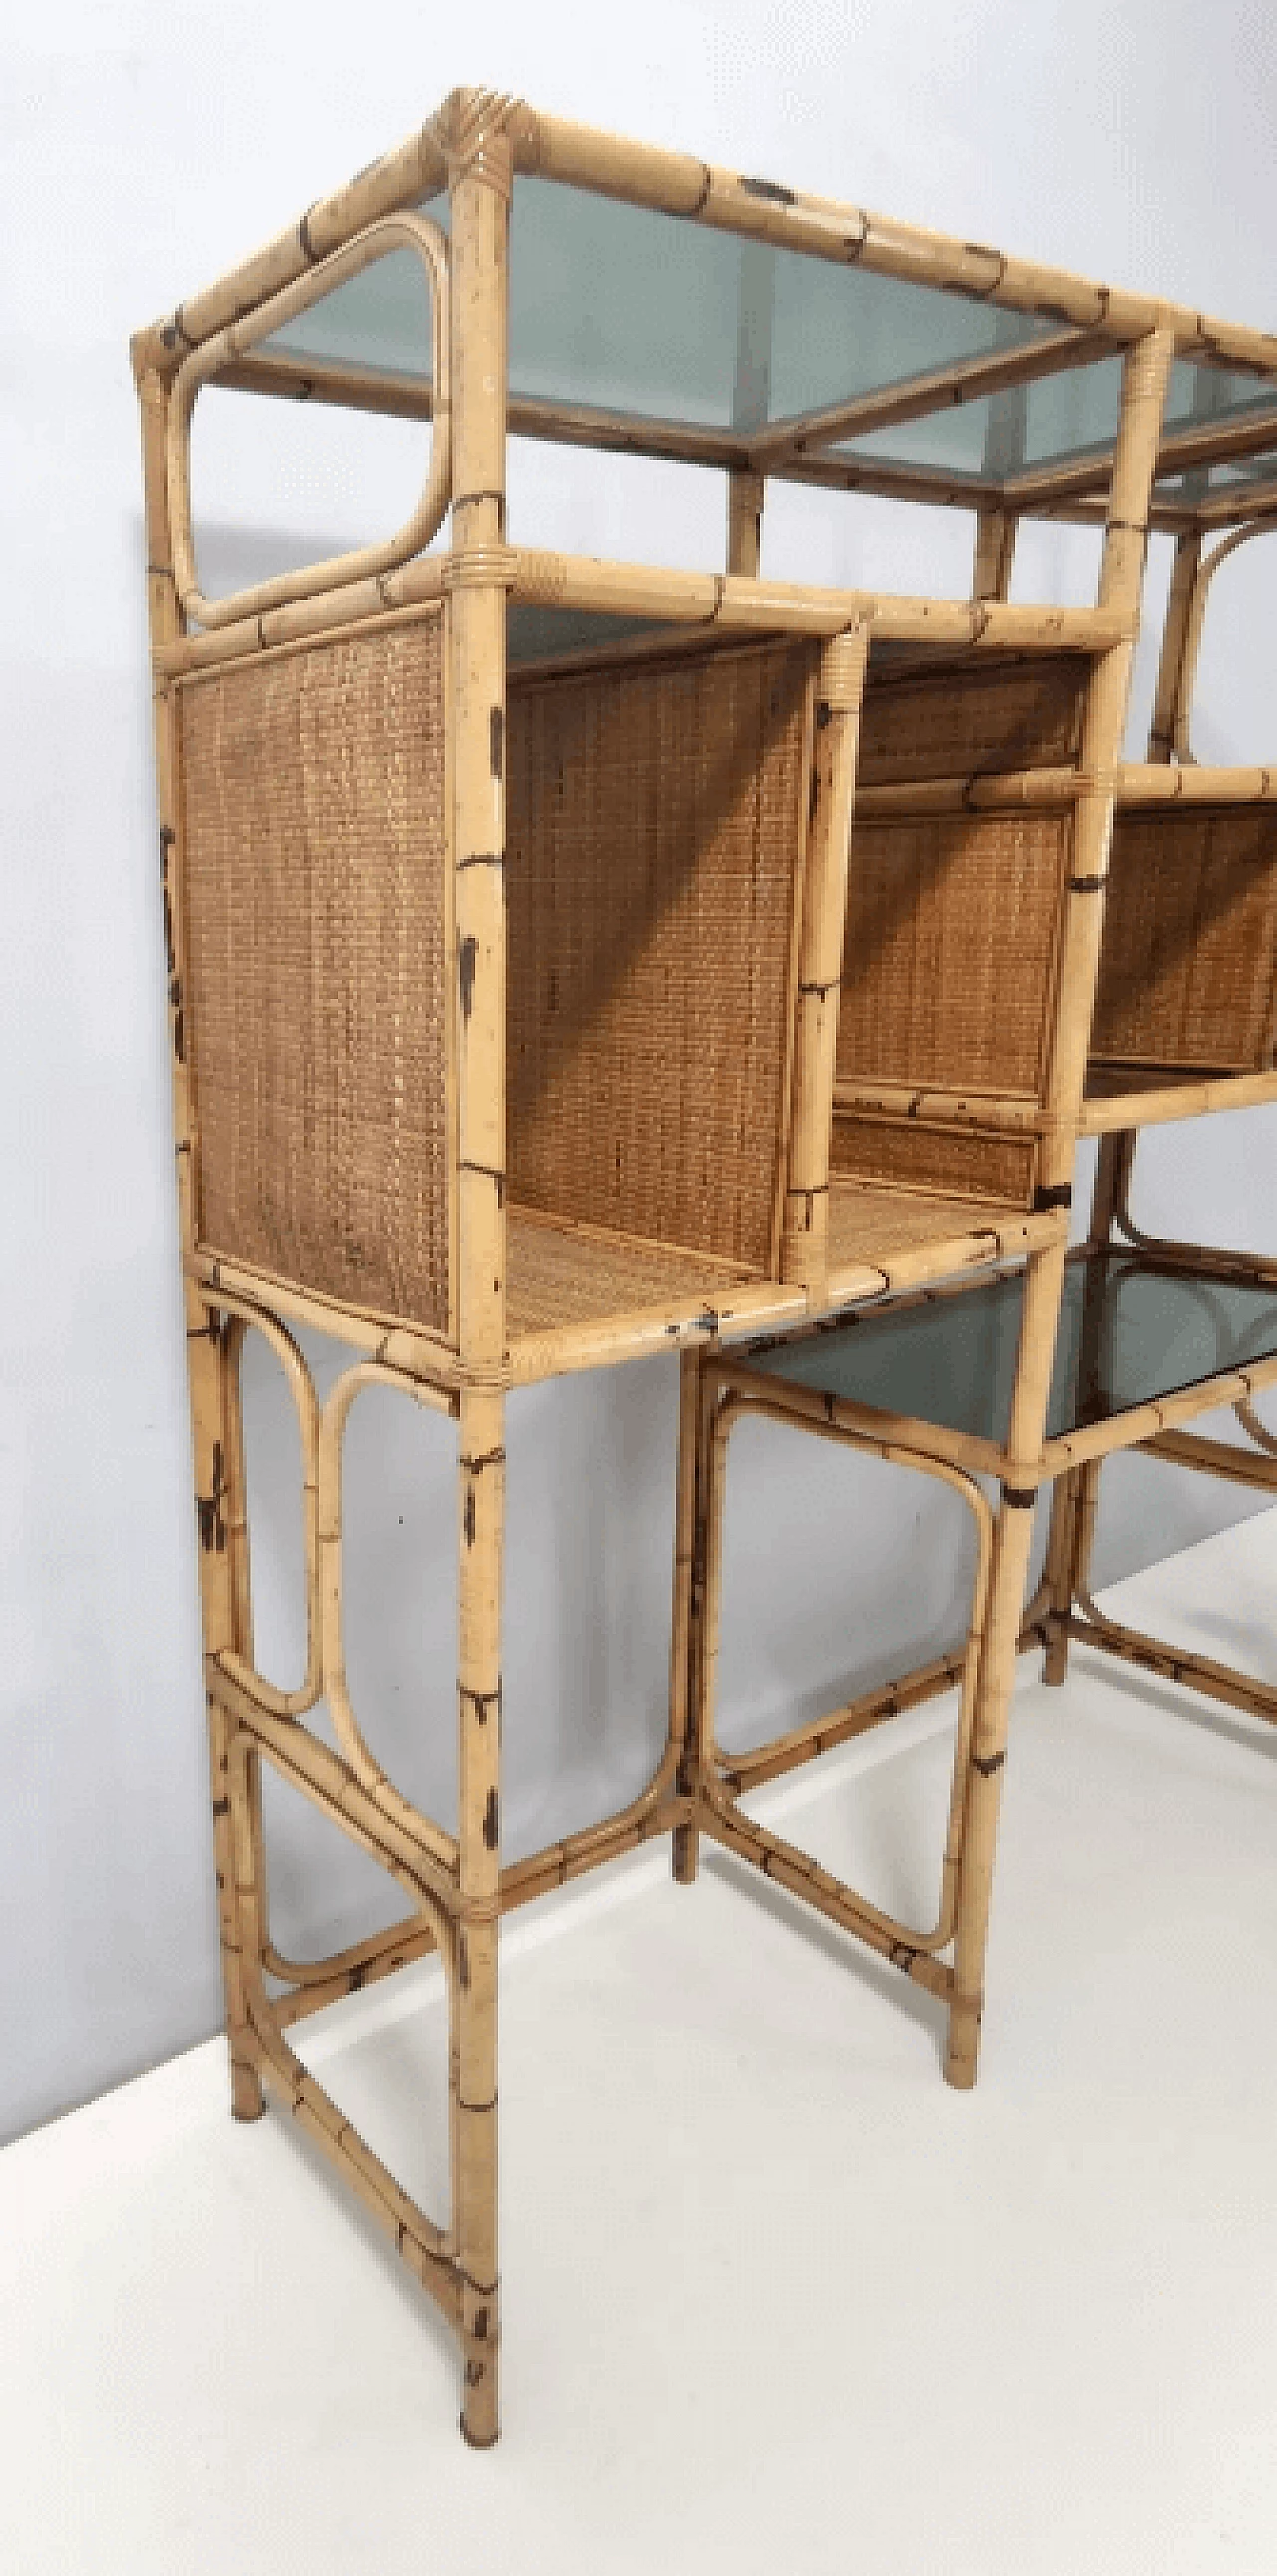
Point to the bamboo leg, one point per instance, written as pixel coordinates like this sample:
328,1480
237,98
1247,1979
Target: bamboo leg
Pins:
474,2071
701,1398
1044,1278
746,496
686,1606
481,178
215,1424
1075,1500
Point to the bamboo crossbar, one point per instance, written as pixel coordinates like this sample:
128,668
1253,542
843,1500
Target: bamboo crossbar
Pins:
679,183
1017,1115
1159,1104
729,604
741,1772
1093,1627
1223,1458
965,380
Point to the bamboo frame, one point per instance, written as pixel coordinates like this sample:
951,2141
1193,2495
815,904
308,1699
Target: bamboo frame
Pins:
455,1883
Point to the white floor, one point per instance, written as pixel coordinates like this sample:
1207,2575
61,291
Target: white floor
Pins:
774,2298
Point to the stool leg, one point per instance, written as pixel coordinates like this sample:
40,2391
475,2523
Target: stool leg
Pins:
473,2073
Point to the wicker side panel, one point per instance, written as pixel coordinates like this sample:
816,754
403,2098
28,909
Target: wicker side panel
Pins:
313,851
1190,940
950,950
655,831
901,1153
987,714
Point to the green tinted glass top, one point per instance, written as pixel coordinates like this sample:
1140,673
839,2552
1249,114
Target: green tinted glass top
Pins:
618,310
1129,1333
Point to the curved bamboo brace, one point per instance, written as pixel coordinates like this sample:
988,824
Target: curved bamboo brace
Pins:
284,1703
1250,1422
394,232
350,1736
728,1413
1192,645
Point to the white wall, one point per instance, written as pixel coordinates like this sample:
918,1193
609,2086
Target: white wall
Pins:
146,147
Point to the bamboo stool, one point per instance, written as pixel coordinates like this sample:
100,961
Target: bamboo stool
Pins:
504,903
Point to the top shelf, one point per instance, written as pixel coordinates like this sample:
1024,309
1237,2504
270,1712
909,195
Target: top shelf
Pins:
625,320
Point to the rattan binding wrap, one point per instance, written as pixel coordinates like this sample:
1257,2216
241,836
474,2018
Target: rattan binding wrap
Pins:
1190,940
313,845
953,922
655,829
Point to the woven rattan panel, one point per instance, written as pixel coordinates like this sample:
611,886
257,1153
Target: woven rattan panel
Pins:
560,1275
1190,940
313,869
654,832
983,714
949,957
905,1152
872,1225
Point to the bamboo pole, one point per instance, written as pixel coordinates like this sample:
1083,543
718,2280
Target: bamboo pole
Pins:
1188,555
681,183
839,690
727,604
1075,1497
917,397
1174,1664
995,536
411,1354
1152,1104
480,179
1145,376
216,1440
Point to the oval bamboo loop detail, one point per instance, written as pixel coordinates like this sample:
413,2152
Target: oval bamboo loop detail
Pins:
394,232
247,1317
346,1726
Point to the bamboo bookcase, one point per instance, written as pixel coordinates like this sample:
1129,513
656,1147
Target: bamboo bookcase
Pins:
525,1013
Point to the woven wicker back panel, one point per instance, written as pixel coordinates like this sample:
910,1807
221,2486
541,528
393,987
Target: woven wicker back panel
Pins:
1190,939
313,866
984,714
654,831
949,957
952,1160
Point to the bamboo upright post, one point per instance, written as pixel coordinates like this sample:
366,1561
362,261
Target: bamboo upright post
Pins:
746,496
480,182
1144,380
216,1436
839,691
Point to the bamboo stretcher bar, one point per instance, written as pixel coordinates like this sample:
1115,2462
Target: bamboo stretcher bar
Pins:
790,1868
1042,487
1258,502
1139,1425
383,390
742,1772
1007,1115
729,603
1138,783
1160,1104
1224,1458
872,1427
859,1282
1093,1627
963,380
1158,783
